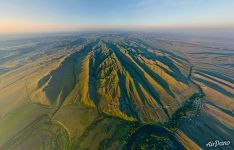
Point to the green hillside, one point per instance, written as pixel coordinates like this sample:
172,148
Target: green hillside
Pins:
124,78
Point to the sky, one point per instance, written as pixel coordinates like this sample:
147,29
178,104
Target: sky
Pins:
78,15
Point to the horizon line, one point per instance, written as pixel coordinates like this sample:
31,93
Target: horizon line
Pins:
32,27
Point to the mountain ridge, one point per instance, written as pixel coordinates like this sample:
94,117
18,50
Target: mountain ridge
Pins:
120,78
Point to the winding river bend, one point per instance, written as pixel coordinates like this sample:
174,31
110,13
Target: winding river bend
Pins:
153,130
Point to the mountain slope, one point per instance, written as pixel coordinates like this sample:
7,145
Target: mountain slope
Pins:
123,78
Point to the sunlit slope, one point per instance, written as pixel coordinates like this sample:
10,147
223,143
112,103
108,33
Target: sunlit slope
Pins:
218,88
28,61
123,78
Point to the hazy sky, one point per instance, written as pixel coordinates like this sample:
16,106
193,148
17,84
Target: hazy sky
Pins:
69,15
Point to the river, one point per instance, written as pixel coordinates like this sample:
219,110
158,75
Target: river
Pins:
153,130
